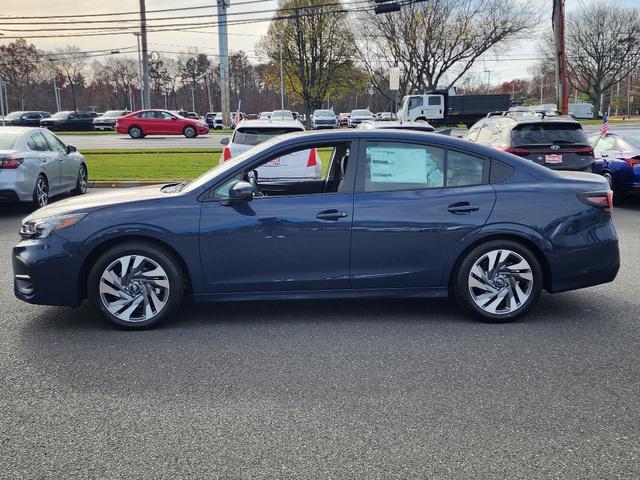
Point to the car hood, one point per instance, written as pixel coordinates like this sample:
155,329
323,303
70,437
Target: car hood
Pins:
96,201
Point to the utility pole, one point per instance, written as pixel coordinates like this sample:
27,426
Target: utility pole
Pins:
629,95
561,56
223,47
2,112
617,97
137,35
541,89
146,97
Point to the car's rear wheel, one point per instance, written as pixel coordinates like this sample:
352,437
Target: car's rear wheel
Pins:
41,192
136,132
190,132
609,179
82,181
136,285
498,281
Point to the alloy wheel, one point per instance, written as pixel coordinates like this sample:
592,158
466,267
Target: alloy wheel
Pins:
134,288
189,132
82,180
42,192
500,282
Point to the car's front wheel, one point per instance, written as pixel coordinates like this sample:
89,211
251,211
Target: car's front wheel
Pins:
41,192
82,181
498,281
190,132
136,285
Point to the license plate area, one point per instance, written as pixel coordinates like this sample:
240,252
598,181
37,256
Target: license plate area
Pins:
553,159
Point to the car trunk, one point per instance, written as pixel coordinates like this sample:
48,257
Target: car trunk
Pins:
556,145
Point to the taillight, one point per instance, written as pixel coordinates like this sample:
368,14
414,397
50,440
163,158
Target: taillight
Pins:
10,163
585,151
516,150
632,162
226,154
312,161
602,200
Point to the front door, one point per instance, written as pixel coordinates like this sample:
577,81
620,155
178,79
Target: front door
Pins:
68,164
413,204
291,237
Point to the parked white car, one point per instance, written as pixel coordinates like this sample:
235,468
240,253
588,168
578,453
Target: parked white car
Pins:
35,165
282,115
265,116
323,119
305,164
359,116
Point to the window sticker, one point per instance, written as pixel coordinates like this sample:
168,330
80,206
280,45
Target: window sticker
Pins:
404,165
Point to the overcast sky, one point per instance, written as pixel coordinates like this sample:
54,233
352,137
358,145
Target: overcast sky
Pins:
508,64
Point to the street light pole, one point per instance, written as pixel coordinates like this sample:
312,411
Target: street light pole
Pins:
137,35
280,37
223,47
146,93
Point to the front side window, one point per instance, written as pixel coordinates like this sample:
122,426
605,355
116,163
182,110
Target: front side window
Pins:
55,144
415,102
404,166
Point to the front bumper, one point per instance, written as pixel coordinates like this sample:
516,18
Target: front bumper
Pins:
46,272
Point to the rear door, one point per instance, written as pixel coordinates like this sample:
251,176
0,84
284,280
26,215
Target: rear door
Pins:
556,145
68,163
413,204
46,159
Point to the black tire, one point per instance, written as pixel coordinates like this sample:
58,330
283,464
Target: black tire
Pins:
41,192
190,132
82,182
609,179
158,255
461,288
136,132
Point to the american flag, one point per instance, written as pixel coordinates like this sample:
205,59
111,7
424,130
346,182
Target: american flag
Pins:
604,128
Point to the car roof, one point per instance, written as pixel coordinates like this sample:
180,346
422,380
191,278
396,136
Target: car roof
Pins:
272,123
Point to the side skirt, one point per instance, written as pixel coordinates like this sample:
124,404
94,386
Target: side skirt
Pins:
414,292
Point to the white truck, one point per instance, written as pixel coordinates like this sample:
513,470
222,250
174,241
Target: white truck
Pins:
444,107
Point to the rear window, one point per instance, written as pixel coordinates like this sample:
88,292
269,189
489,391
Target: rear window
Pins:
255,136
547,133
7,140
633,140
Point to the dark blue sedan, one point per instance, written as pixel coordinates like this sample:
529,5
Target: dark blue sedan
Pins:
396,214
618,159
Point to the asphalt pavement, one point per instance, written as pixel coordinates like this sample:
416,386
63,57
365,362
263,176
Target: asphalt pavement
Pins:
370,389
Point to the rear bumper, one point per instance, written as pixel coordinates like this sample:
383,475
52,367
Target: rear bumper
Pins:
586,265
16,185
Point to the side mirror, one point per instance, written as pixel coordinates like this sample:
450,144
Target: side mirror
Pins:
71,149
241,191
224,141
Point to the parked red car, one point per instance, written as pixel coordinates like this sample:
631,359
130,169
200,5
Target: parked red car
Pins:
159,122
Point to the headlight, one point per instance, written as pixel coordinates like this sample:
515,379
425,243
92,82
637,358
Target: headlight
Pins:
42,227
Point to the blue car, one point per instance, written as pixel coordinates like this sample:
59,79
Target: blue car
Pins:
618,159
397,213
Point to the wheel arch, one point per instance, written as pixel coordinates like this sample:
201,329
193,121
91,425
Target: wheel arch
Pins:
525,241
100,248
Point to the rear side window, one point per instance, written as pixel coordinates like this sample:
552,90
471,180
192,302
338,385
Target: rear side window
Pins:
255,136
38,143
545,133
405,166
434,100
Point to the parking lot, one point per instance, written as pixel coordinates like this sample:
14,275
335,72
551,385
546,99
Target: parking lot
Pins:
326,389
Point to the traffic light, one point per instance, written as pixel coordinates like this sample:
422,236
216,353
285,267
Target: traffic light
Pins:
386,6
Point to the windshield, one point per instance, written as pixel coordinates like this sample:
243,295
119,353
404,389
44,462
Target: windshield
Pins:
7,140
633,140
13,115
361,113
220,170
60,115
548,132
255,136
113,113
324,113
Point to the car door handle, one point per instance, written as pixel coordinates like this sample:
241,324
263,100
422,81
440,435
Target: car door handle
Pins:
331,215
463,208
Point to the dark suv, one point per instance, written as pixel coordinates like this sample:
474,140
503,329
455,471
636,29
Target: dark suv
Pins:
25,119
556,142
69,121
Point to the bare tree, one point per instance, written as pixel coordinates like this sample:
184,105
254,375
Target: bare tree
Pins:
603,48
438,41
71,63
317,45
19,66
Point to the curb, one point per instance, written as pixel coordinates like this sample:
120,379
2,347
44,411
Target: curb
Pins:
124,183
